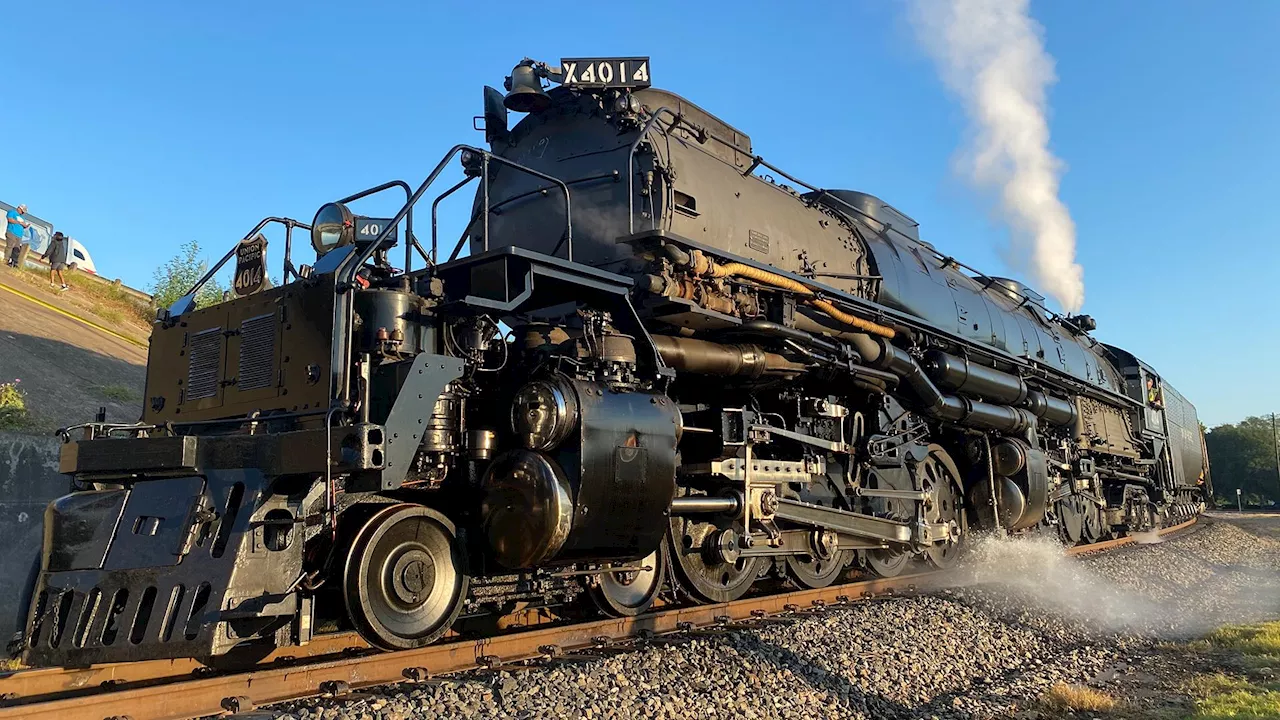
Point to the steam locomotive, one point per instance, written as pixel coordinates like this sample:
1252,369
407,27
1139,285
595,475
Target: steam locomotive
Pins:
664,366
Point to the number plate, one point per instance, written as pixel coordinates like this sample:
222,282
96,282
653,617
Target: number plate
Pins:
605,72
368,229
251,258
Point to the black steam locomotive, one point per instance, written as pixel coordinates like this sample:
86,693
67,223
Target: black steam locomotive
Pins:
656,370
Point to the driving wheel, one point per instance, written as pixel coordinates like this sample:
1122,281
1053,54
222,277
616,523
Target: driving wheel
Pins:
705,560
1071,520
943,505
1091,528
811,571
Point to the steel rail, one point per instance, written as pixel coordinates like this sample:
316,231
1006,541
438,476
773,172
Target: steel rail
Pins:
167,698
1126,540
55,682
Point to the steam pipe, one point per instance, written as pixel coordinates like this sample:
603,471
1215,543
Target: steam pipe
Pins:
962,375
866,346
737,269
931,401
768,327
707,358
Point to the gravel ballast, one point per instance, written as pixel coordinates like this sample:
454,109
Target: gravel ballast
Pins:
1020,618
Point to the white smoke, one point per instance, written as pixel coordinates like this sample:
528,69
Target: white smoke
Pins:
990,54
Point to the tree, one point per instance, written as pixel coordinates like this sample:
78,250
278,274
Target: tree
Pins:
1244,456
173,279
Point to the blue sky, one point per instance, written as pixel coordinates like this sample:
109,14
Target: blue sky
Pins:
146,124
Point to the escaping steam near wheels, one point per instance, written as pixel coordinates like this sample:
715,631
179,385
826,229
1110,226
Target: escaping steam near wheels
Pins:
989,53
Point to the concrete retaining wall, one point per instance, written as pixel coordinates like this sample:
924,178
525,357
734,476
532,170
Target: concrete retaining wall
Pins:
29,479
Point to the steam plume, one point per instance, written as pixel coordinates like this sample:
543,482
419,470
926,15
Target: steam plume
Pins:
989,54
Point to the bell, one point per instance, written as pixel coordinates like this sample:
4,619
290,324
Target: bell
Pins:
525,93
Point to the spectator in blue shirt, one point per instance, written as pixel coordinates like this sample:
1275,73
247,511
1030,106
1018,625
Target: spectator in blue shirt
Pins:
16,226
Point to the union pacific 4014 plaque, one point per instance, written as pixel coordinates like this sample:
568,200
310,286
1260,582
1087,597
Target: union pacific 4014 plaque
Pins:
251,271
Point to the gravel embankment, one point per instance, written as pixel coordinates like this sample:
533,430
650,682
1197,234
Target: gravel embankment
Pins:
1021,618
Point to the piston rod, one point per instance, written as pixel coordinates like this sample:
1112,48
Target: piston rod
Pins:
705,504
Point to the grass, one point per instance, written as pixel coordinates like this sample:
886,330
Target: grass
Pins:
122,394
1253,648
1221,696
1063,698
13,407
1252,640
103,299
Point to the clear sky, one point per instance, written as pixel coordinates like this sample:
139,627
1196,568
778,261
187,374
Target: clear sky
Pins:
136,126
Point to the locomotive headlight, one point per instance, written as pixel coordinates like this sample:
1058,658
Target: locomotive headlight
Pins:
470,162
333,227
543,413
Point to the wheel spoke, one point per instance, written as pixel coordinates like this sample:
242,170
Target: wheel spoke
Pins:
698,568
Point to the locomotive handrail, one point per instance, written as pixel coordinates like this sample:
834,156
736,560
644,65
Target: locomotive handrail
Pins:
411,242
631,158
185,303
351,264
435,205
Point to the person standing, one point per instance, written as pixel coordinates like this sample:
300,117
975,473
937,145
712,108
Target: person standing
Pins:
56,255
15,227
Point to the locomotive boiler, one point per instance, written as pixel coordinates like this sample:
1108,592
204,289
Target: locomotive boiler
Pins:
663,367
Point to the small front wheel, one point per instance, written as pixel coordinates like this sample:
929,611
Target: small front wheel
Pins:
630,592
405,579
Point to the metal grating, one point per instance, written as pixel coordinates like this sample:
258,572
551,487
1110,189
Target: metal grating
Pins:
257,352
206,360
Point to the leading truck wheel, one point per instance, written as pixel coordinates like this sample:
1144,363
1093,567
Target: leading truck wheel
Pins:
627,593
405,579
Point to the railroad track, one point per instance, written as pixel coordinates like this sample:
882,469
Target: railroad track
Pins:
339,663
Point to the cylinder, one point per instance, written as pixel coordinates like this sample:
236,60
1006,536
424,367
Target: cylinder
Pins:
1008,458
705,504
962,375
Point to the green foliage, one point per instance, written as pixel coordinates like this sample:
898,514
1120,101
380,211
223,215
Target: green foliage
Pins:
13,407
1221,695
1263,639
119,393
1244,456
173,279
